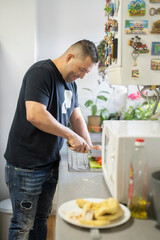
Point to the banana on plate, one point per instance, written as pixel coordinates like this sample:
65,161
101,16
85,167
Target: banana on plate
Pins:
101,213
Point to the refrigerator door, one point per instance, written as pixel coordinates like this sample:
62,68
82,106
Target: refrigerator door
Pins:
146,36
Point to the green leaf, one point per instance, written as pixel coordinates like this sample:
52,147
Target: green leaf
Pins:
129,115
104,114
102,97
144,103
114,116
92,130
88,103
88,89
104,92
94,110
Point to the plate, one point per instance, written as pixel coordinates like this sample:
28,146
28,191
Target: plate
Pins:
71,206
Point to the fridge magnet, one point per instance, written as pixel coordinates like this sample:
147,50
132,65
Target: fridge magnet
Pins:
154,1
137,8
156,48
154,11
138,45
117,4
109,8
155,64
135,73
136,26
111,26
156,27
135,55
114,25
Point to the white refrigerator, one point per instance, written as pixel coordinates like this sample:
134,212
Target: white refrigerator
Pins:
138,51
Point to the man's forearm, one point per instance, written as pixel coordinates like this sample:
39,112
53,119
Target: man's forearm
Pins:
79,126
44,121
38,115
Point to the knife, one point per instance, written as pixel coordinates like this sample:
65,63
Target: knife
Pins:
92,152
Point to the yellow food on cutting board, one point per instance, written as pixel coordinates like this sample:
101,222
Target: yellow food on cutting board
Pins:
101,213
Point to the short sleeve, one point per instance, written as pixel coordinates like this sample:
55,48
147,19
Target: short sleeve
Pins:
38,85
76,96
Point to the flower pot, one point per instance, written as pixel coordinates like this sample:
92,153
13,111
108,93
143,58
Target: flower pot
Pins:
94,124
94,121
94,129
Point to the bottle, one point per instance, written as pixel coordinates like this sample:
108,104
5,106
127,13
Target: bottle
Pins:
138,181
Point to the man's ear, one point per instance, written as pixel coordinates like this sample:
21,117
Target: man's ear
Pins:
69,57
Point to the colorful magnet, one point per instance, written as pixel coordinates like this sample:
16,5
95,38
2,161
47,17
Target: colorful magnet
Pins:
156,48
114,25
155,64
154,1
109,8
136,26
138,45
111,26
112,9
137,8
156,27
135,73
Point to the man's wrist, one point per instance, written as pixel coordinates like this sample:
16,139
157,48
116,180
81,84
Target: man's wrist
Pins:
68,134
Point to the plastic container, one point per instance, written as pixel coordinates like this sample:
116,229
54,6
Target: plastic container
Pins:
138,181
5,216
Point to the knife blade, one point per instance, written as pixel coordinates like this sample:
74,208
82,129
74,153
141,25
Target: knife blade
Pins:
94,152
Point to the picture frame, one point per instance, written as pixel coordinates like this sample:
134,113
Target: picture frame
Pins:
155,64
155,48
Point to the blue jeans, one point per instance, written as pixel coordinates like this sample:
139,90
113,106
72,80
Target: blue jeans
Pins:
31,193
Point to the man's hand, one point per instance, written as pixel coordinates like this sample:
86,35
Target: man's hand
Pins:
78,144
97,147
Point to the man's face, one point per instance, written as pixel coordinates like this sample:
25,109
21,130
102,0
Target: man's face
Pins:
76,68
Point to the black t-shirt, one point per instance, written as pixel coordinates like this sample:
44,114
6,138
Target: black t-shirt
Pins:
29,147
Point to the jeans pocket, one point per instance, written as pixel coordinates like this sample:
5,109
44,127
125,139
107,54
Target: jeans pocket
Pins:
31,182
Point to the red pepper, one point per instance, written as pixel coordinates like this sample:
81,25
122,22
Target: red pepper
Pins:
99,160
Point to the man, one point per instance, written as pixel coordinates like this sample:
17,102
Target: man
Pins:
47,103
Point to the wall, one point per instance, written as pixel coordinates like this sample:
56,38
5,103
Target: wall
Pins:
31,32
17,23
37,29
63,22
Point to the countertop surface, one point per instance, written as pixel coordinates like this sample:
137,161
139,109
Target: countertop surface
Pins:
73,185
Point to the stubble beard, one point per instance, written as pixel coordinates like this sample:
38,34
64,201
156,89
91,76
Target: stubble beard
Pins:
71,77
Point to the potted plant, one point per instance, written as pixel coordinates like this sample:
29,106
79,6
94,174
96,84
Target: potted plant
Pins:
97,115
142,111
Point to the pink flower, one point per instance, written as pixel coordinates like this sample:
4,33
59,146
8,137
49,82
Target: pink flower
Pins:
134,96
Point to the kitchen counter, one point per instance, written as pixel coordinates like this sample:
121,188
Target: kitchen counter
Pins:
73,185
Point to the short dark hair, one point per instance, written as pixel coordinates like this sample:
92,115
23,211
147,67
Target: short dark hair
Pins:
87,48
